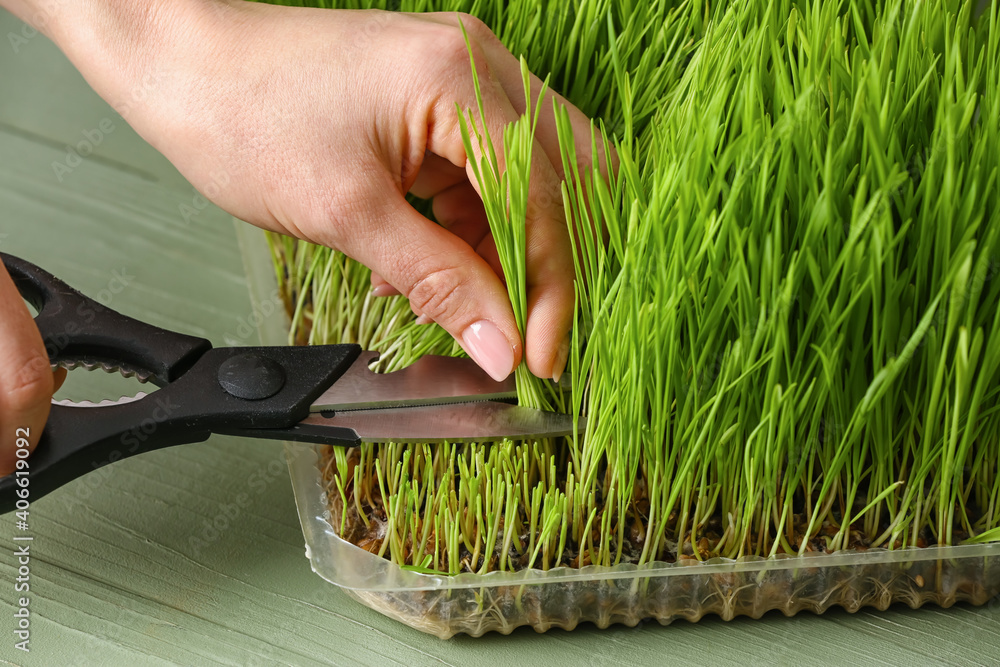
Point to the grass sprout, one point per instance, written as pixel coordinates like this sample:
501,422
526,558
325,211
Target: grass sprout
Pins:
786,337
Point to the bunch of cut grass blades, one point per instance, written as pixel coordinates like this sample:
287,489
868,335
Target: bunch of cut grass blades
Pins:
787,336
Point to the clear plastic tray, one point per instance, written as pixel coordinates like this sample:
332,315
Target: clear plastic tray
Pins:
564,597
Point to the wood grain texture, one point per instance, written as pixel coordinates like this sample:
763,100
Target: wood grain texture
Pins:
194,555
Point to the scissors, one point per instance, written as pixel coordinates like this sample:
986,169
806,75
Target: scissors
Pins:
324,394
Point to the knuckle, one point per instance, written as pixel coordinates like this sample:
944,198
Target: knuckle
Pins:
476,28
438,294
546,202
451,50
31,384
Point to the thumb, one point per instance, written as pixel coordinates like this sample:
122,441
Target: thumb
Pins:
26,380
444,279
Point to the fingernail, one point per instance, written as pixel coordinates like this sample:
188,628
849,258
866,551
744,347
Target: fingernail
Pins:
385,289
560,363
423,319
489,348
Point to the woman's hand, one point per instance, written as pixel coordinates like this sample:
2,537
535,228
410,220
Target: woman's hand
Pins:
316,123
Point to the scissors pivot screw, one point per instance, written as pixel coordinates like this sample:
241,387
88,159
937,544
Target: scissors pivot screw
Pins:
251,377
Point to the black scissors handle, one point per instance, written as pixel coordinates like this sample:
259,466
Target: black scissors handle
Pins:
76,328
246,390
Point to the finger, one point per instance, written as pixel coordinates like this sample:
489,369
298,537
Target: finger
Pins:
548,317
380,287
444,279
460,210
549,265
436,175
26,381
487,249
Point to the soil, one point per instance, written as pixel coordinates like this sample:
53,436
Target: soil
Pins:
368,533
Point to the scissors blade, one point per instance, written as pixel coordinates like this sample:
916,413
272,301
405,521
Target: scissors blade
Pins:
431,380
485,421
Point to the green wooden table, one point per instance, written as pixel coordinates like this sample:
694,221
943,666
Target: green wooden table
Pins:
124,569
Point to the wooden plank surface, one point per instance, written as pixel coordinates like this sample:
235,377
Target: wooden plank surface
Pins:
153,560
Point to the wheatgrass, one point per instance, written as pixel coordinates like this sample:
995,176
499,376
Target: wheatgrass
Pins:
786,331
